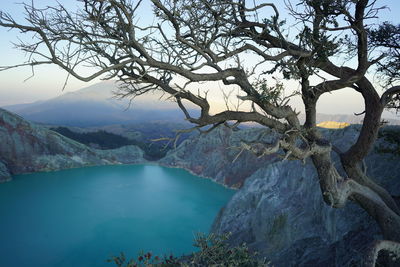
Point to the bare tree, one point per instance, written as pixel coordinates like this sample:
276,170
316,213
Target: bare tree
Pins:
208,40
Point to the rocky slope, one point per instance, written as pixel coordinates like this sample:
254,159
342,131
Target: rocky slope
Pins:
279,211
218,155
26,147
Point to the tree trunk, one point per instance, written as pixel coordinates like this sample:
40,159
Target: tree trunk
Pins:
336,190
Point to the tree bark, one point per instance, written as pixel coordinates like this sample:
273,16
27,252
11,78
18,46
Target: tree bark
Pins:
336,190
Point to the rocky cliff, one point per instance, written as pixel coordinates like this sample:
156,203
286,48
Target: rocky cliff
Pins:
279,211
26,147
218,155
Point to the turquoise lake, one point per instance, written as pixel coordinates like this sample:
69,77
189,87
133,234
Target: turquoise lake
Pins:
81,217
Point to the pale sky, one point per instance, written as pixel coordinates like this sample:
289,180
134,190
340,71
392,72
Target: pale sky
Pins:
48,80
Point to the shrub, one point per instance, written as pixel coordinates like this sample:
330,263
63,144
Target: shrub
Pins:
213,251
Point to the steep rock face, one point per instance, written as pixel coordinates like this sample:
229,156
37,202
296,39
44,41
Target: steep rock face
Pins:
4,173
217,155
26,147
280,212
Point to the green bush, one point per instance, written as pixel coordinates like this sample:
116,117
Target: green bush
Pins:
145,259
213,251
105,140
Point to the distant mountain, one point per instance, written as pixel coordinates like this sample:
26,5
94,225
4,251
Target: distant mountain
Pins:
347,118
96,105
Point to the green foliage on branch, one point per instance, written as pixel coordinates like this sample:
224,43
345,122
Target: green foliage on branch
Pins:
269,94
386,38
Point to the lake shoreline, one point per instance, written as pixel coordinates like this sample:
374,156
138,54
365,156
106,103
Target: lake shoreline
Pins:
154,163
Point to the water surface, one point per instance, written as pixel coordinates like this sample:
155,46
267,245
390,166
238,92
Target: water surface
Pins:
81,217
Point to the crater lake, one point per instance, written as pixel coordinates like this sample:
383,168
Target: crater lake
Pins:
82,217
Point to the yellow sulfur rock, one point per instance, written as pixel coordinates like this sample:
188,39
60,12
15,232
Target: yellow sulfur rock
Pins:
333,124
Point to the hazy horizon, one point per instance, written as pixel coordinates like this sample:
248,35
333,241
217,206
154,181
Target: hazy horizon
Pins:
327,110
48,81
